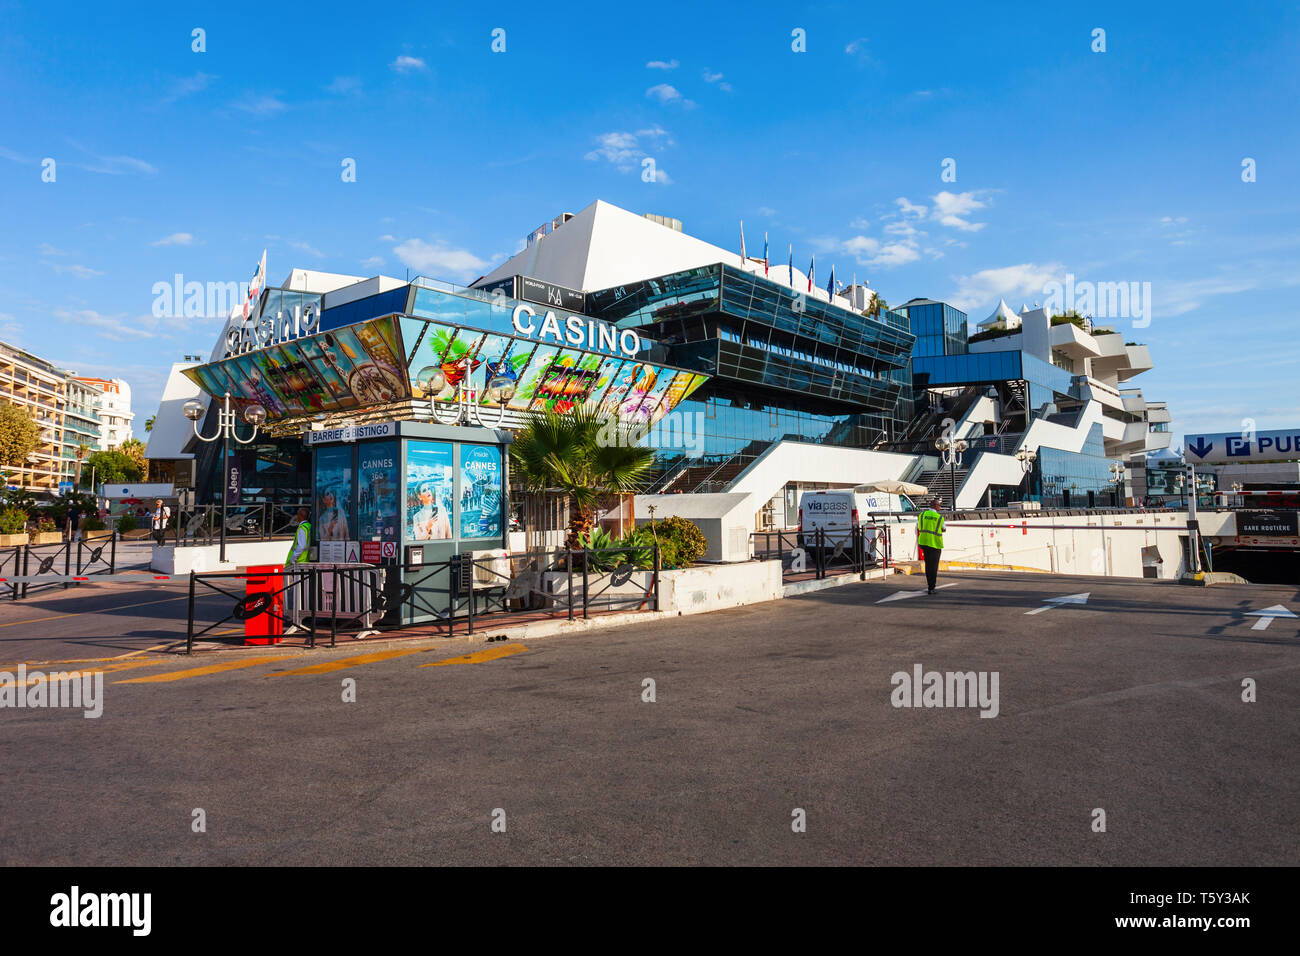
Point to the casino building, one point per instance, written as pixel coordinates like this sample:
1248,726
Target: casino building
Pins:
754,383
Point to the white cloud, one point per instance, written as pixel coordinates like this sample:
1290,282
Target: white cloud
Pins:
986,287
306,247
664,93
374,262
951,209
187,86
909,208
46,249
895,254
766,211
711,77
856,46
344,85
626,149
862,247
175,239
438,259
662,65
268,104
81,272
408,64
113,327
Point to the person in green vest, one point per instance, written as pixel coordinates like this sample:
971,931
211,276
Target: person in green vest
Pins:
929,538
301,548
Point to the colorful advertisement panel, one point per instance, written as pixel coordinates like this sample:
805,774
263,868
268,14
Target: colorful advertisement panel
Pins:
377,489
480,491
333,493
429,490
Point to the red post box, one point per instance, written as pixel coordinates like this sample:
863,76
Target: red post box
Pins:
263,606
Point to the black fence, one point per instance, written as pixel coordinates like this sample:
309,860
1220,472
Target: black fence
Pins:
321,602
22,566
820,553
201,525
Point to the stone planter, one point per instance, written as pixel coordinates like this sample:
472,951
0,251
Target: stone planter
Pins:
47,537
603,593
12,540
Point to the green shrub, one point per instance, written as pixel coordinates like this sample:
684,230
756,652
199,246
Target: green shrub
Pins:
683,539
126,523
12,520
45,524
92,523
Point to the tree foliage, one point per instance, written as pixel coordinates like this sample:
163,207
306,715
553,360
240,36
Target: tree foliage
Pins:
113,467
584,454
20,435
133,448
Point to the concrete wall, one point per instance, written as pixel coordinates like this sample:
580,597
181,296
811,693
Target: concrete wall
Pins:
708,587
1102,545
715,586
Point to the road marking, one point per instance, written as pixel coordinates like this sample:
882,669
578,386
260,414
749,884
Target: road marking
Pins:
107,669
1080,598
904,595
199,671
349,662
115,607
480,657
1266,616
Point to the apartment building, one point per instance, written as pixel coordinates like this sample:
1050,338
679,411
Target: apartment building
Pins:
88,413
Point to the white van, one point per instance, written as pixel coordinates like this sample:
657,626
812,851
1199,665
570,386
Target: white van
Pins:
838,512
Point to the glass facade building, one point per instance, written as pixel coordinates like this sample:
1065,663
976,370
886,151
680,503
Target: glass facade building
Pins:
782,365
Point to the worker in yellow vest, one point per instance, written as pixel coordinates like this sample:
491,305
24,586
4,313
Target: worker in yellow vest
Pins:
929,538
300,551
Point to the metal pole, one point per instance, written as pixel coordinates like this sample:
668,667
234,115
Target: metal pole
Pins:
470,578
189,628
584,582
112,555
67,563
656,574
568,570
225,477
1193,525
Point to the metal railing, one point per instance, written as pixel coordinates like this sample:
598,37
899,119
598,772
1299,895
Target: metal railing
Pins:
84,557
201,525
821,553
361,599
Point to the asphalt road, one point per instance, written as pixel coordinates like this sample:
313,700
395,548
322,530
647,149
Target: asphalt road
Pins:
1131,703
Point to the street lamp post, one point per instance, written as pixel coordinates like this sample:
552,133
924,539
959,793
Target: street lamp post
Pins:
952,449
226,421
1027,457
500,389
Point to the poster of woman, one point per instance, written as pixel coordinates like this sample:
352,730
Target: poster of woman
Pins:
333,493
429,484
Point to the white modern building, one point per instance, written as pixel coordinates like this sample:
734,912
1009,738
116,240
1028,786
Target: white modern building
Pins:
113,408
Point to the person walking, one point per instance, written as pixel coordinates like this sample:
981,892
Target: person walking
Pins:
299,551
929,539
161,515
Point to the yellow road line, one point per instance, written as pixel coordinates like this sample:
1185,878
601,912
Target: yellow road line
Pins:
92,660
349,662
479,657
108,669
199,671
116,607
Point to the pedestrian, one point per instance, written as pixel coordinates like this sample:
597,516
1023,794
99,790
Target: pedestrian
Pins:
929,539
298,552
161,515
74,523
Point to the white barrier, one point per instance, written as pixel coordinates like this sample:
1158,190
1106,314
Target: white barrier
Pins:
347,596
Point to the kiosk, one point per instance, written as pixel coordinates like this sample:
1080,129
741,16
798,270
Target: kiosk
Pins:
409,496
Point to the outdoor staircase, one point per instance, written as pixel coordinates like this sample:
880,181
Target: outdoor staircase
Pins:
940,484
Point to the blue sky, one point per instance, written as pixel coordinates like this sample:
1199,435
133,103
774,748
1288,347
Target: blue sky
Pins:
1115,166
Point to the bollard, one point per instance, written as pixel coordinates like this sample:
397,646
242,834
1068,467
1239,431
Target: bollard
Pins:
584,583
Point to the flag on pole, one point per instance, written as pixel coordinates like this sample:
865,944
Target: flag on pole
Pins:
792,265
765,255
830,286
812,268
743,258
255,285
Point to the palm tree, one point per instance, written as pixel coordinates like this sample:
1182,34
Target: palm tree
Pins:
877,304
584,454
